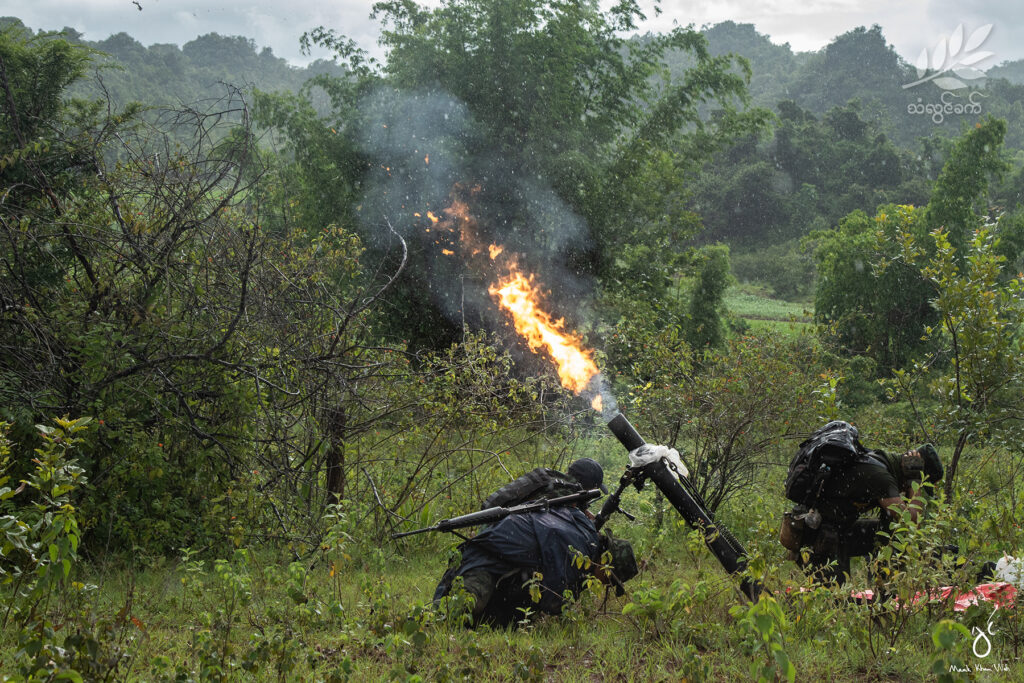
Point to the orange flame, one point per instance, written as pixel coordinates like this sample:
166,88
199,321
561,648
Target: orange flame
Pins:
519,296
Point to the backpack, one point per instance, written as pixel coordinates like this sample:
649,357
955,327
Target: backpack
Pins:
828,451
538,483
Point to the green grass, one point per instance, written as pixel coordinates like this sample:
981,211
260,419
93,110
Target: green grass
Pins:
357,608
781,326
366,619
752,304
764,313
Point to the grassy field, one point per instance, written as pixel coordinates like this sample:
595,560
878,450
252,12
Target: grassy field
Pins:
753,303
762,312
356,611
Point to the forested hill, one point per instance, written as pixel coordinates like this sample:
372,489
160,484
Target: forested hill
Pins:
167,74
1011,71
861,66
857,66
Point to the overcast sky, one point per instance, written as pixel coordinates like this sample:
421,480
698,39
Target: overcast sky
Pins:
910,25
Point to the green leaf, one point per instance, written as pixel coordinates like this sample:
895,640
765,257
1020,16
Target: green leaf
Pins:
763,624
785,665
945,634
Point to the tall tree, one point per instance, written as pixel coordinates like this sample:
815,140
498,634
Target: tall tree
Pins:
555,98
873,301
704,326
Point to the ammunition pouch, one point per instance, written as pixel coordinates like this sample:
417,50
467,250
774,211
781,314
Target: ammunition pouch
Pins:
623,561
791,532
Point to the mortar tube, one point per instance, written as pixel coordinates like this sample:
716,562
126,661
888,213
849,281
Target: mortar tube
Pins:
625,432
692,509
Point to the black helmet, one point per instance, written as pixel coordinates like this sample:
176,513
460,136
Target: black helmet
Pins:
912,466
589,473
840,426
932,463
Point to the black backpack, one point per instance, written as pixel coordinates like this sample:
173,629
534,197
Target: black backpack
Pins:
827,452
536,484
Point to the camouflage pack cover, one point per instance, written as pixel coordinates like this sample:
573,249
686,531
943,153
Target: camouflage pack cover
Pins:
830,447
538,483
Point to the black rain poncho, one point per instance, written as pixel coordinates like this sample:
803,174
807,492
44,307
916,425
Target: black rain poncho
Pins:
534,542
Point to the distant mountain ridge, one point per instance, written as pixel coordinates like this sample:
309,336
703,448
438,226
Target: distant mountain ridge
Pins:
1011,71
858,65
165,74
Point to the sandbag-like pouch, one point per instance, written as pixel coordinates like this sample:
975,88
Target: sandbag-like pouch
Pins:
791,533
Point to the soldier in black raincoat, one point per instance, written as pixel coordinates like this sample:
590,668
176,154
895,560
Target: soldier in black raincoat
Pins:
501,564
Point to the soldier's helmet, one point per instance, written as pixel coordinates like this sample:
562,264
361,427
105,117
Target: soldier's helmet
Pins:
840,426
589,473
932,464
913,467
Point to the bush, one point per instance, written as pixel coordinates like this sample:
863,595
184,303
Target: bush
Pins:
787,268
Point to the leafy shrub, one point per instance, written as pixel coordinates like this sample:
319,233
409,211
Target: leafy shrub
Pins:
786,267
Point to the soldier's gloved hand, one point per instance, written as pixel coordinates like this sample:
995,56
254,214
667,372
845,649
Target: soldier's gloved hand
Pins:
649,453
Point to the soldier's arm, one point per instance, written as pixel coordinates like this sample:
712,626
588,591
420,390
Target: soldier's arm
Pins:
913,501
896,505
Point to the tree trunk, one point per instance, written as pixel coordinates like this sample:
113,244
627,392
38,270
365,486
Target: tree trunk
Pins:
951,470
336,424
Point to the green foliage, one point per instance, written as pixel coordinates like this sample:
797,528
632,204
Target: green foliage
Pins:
218,306
870,306
39,548
667,614
704,327
871,294
723,412
813,171
957,201
163,73
767,621
980,311
36,70
948,664
915,560
602,127
787,268
41,534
